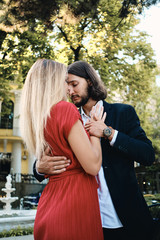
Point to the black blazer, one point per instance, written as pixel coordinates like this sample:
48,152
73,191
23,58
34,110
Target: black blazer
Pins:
118,164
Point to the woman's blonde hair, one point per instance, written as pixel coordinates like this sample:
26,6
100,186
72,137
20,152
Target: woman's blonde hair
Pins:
43,88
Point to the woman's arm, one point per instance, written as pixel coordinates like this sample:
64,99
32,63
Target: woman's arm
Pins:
88,152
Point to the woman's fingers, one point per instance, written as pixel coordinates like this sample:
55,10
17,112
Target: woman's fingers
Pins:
104,116
92,112
101,112
97,113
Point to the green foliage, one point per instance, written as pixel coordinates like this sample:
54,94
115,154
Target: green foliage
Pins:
153,168
150,197
122,57
43,10
153,119
127,6
83,30
16,232
23,13
4,87
20,51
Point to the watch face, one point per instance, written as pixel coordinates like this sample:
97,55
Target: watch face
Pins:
107,132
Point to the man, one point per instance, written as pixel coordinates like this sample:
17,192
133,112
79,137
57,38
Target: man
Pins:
124,212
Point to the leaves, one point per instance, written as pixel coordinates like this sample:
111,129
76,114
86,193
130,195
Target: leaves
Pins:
68,31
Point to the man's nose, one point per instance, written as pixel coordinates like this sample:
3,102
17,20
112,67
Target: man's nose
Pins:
70,91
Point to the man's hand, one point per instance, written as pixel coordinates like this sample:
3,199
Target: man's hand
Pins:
95,128
52,164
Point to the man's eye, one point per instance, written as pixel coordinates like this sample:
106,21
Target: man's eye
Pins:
74,85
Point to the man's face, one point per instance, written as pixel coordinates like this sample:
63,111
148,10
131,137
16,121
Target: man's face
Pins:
78,90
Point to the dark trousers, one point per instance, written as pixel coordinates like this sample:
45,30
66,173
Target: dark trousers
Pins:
118,234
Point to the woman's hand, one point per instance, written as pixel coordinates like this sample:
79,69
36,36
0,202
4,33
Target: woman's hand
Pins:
96,124
98,113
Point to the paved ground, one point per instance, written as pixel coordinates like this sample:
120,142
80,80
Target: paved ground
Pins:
26,237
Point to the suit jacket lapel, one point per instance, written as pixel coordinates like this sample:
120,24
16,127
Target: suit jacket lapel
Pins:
108,110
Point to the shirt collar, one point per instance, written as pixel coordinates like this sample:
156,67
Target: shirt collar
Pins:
100,102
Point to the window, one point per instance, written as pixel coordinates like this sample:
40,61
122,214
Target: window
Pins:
6,117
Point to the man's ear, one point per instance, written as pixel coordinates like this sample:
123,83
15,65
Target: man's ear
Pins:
89,82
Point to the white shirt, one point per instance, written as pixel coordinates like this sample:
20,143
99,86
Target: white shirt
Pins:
109,216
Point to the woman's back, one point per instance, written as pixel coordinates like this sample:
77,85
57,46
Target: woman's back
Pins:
62,117
68,207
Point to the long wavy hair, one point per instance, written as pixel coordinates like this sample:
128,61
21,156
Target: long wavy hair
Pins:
43,88
85,70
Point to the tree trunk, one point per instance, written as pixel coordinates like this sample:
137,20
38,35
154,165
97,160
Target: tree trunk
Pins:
76,53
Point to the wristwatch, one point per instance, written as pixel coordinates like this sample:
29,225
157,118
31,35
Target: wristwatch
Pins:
107,132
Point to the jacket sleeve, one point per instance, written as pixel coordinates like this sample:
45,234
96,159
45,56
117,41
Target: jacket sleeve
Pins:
39,177
133,140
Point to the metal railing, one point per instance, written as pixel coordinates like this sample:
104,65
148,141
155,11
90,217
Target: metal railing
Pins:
6,123
26,178
22,178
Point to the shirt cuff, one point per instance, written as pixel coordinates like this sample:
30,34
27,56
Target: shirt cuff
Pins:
114,138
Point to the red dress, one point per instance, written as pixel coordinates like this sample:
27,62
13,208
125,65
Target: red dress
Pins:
68,208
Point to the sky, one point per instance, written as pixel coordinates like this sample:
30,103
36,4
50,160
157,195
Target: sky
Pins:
150,23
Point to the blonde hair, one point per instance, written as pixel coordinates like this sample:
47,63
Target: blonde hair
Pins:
43,88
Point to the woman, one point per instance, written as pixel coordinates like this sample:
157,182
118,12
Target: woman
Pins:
68,208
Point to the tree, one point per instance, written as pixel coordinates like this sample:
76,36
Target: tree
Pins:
20,13
154,119
120,54
19,51
17,15
122,58
128,5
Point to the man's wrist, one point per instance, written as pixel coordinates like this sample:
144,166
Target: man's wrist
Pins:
36,166
108,133
112,134
114,138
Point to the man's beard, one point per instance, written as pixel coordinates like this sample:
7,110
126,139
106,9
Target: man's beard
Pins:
84,98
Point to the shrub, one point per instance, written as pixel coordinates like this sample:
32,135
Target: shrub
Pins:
16,232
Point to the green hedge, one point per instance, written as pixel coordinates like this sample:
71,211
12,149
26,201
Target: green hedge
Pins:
16,232
150,197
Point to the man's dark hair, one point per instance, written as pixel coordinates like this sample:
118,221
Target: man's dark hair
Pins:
85,70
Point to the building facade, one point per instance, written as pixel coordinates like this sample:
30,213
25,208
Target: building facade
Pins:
14,157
